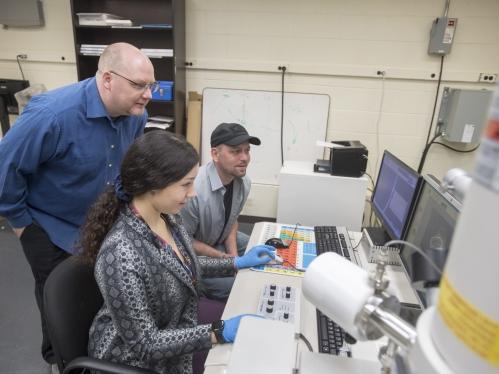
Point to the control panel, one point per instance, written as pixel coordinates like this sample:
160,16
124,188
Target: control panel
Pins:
281,303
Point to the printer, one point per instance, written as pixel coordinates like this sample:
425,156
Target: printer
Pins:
346,158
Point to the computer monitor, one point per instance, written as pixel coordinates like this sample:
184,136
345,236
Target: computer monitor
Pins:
394,194
430,228
8,102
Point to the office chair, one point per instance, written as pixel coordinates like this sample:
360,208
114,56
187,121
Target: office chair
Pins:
71,300
208,311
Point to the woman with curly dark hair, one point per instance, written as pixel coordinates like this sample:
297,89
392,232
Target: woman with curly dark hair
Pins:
145,266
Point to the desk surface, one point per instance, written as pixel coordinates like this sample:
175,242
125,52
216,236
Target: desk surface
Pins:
245,296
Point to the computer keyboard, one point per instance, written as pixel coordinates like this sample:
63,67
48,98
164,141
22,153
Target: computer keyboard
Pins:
331,337
332,239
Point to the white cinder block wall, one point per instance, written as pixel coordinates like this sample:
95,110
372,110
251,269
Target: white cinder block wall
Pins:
332,47
336,48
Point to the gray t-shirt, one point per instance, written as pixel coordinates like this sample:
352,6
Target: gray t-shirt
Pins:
204,215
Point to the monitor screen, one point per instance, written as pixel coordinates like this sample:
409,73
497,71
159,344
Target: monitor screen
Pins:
394,194
430,228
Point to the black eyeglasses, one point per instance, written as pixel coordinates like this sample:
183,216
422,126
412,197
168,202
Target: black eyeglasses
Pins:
139,87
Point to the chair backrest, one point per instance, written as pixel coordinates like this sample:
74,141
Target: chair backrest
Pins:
71,301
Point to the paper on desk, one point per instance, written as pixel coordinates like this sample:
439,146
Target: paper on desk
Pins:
321,143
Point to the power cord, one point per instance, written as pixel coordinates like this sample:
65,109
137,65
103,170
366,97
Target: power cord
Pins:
18,57
428,146
305,340
294,232
371,178
382,73
417,249
457,150
360,240
288,244
425,151
283,70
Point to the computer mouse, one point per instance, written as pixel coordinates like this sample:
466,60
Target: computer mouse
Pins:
276,243
277,260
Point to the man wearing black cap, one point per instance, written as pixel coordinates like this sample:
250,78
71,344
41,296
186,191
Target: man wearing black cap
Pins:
222,188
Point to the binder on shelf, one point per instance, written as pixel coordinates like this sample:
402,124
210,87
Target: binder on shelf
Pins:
156,26
92,49
160,122
157,52
165,91
101,19
125,27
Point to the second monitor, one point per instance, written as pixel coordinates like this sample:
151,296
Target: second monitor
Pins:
393,198
431,228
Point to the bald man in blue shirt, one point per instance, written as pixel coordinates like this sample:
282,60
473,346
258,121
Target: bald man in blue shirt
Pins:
62,152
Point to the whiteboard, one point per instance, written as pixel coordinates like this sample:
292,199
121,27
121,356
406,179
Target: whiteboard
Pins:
305,122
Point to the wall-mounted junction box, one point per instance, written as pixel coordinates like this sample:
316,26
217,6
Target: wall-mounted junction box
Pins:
463,114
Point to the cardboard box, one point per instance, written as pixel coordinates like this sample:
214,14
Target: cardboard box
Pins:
194,112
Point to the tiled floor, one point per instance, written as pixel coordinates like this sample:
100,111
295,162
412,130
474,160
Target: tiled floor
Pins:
20,334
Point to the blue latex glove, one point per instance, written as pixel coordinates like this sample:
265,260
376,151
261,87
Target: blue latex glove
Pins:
232,325
258,255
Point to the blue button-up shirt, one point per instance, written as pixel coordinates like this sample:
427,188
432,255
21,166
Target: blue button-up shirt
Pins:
58,157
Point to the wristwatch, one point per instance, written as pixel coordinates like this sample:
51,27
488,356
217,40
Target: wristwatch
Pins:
218,328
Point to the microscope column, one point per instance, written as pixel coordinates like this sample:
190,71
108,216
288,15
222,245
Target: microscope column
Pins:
465,327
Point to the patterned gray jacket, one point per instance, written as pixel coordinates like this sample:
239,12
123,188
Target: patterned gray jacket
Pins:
149,315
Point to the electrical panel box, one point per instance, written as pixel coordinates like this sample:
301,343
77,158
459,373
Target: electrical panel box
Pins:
442,35
463,114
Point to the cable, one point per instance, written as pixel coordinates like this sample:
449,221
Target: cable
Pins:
425,151
380,111
20,68
457,150
294,232
369,201
292,266
371,178
360,240
428,146
305,340
283,69
446,8
417,249
288,243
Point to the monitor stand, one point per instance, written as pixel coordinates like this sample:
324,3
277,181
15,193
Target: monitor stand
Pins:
377,235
